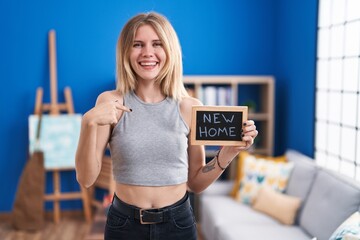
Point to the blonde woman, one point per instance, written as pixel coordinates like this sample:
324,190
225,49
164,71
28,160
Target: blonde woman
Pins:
146,123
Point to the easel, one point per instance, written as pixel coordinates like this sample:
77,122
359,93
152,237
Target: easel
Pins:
54,108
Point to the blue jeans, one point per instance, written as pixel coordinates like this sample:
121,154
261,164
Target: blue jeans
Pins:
173,222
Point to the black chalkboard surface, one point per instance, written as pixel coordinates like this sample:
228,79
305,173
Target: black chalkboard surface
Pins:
218,125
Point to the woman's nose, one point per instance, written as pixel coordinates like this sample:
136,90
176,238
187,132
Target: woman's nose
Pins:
148,51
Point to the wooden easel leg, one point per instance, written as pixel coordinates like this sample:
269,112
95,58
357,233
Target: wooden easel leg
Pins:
38,101
86,204
68,100
56,179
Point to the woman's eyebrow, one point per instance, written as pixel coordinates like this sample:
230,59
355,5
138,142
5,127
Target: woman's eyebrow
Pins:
155,40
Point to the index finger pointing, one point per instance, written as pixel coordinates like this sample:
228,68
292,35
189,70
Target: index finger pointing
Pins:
122,107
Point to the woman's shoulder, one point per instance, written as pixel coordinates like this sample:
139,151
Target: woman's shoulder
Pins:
111,95
188,102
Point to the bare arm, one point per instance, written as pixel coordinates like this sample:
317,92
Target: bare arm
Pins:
95,132
201,175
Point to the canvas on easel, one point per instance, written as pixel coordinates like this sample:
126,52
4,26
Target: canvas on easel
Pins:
59,138
62,129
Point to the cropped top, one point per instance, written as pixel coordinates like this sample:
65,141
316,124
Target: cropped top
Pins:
148,146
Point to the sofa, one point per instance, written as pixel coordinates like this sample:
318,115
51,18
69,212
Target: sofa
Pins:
327,200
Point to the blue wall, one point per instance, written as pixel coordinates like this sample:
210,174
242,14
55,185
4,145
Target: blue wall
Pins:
296,26
244,37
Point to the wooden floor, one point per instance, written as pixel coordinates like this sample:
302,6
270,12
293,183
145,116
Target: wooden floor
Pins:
70,228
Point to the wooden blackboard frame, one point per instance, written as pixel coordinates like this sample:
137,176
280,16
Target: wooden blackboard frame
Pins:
215,142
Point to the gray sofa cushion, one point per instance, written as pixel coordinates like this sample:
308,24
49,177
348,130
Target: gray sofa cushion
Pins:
301,178
331,200
261,232
217,211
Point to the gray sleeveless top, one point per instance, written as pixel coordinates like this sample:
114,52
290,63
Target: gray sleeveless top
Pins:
148,146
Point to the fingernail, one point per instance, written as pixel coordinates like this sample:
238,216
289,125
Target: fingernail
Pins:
244,123
130,110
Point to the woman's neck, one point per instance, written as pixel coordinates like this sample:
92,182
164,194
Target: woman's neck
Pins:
149,93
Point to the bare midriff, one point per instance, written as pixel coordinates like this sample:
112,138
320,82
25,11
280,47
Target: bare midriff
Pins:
150,197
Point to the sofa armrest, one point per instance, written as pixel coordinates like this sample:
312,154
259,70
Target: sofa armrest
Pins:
219,187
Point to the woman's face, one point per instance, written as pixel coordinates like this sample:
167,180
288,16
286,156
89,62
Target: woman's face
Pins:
147,56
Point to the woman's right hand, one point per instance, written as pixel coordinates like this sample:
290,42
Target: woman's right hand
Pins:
105,113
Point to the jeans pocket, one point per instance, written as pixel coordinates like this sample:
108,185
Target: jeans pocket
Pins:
116,220
184,220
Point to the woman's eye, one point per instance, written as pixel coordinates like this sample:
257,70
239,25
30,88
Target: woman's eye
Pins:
158,44
137,45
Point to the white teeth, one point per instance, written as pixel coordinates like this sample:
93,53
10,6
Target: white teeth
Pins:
148,63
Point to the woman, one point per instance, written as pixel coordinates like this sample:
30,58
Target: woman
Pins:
146,123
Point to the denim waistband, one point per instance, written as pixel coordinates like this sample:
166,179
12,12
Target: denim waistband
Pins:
153,215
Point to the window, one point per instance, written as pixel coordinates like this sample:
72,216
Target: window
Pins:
337,123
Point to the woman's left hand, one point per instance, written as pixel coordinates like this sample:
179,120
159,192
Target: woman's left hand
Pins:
249,133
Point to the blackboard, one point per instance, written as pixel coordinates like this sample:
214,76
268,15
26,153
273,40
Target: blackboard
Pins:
218,125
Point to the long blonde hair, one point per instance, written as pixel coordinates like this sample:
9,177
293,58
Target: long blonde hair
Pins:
170,77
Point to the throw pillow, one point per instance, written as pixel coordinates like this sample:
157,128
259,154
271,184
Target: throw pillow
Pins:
258,172
351,237
277,205
349,228
240,169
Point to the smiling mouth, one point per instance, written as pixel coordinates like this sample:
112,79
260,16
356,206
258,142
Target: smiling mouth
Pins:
148,64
